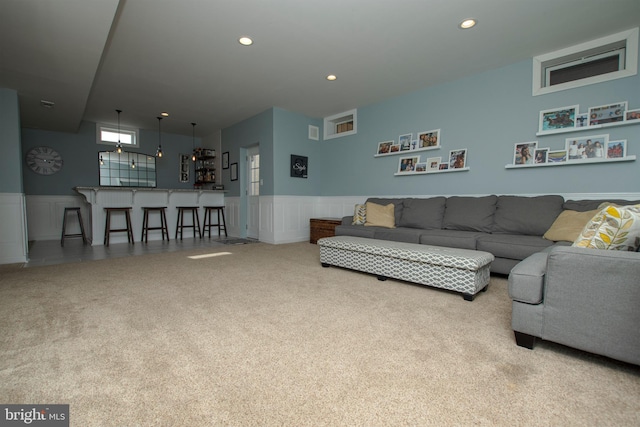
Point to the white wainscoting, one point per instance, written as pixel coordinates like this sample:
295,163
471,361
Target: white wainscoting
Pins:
285,219
13,228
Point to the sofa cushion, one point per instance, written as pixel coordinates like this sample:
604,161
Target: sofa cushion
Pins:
359,214
526,280
380,216
451,238
408,235
614,228
568,226
531,216
512,246
397,203
422,213
469,213
355,230
589,205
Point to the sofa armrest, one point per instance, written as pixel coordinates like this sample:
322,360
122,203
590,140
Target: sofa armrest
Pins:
347,220
590,301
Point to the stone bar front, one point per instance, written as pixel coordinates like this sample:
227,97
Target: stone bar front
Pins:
137,198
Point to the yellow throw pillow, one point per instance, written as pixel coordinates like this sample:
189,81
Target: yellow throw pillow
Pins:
614,228
359,215
381,216
568,225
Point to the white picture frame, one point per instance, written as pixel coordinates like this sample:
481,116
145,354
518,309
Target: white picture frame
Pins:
609,113
433,164
523,152
558,118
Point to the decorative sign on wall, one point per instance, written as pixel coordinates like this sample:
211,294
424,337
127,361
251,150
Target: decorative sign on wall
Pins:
184,167
299,166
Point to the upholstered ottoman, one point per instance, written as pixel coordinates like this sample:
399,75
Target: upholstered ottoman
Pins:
461,270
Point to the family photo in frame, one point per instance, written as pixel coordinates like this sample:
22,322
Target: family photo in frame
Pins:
523,153
558,118
587,147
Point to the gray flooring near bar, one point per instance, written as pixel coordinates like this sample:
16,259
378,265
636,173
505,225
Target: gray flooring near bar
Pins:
49,252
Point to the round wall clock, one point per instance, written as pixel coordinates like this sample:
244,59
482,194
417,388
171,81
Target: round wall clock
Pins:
44,160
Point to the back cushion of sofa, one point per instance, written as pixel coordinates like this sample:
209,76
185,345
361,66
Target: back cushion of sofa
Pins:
398,205
531,216
589,205
423,213
469,213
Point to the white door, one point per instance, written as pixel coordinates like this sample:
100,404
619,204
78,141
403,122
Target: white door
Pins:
253,192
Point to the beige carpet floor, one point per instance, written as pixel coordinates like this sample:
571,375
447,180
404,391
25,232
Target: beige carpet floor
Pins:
264,336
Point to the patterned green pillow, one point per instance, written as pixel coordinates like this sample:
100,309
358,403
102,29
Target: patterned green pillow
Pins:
614,228
359,215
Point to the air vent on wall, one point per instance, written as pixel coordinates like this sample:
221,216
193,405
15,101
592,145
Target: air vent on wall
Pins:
314,132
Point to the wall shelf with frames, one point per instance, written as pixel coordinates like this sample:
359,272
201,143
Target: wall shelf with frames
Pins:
431,172
573,163
588,128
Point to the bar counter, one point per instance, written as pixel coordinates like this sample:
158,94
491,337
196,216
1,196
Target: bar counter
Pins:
137,198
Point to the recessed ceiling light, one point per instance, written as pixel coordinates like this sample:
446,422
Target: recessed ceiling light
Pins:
468,23
164,114
245,41
331,77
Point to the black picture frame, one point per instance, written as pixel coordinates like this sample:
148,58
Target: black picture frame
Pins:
299,166
225,160
234,171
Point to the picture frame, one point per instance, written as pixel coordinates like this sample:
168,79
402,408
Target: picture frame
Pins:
429,139
421,167
433,164
395,148
540,155
523,152
234,171
616,149
609,113
558,118
632,115
458,158
405,141
384,147
557,156
299,166
586,147
225,160
582,120
408,164
443,167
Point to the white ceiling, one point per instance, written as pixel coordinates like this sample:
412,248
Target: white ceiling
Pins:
91,57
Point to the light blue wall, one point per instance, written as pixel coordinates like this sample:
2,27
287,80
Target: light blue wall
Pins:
11,158
79,152
291,136
255,130
486,114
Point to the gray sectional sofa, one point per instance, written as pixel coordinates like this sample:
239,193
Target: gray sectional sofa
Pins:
509,227
583,298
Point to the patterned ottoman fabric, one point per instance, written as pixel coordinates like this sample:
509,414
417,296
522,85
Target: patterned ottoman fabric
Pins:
461,270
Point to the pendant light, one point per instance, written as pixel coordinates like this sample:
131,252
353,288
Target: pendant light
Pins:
119,144
193,156
133,163
159,151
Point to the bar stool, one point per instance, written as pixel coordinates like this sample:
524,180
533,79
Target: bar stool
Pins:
207,220
108,230
64,226
163,222
195,220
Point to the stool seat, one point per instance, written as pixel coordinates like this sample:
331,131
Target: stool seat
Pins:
145,222
206,226
108,230
64,226
195,220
